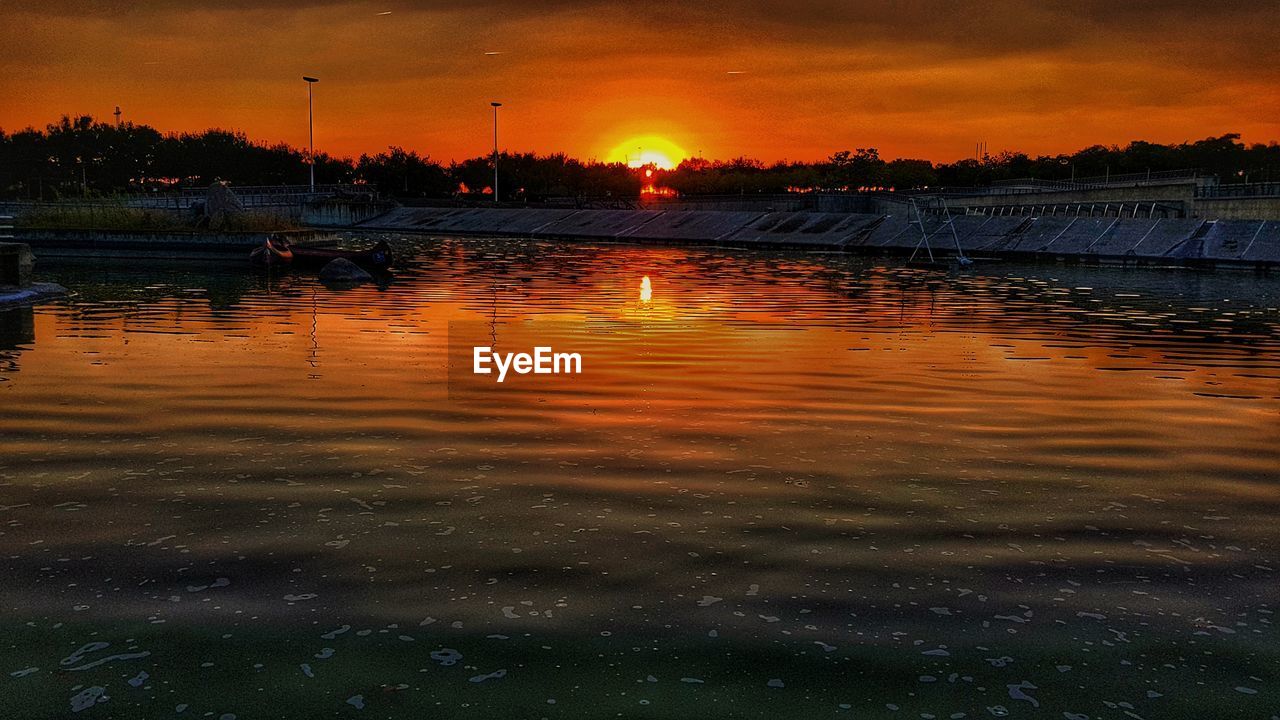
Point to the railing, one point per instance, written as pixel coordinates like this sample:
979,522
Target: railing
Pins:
336,189
1146,208
800,201
1240,190
1103,181
1141,177
789,199
250,196
962,192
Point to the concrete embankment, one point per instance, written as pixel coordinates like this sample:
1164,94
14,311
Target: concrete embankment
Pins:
1164,241
154,244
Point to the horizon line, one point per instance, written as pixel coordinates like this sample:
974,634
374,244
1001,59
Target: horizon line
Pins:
320,152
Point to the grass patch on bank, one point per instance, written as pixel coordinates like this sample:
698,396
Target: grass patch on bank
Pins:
122,218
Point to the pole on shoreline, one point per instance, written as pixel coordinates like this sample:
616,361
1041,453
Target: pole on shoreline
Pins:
495,105
311,129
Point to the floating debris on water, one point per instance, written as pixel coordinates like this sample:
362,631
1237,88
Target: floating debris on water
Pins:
218,583
446,656
490,676
335,633
88,697
109,659
1017,692
86,649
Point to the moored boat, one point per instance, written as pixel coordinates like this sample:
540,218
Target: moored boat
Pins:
279,252
377,257
273,252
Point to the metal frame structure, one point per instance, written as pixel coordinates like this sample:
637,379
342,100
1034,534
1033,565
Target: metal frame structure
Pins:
949,222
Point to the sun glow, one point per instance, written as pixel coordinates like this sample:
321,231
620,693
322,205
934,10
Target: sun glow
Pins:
645,150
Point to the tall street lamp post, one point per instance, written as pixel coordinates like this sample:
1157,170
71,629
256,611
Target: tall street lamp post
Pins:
311,128
495,105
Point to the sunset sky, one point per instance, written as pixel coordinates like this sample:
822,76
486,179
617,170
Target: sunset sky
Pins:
771,79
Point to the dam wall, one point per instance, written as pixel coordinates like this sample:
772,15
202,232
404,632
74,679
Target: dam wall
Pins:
1169,241
1244,207
339,212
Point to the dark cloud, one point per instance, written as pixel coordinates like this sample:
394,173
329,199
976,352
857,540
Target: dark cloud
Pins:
924,76
1187,32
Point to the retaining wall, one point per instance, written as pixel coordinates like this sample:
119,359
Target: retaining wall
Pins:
16,264
340,213
1243,208
121,243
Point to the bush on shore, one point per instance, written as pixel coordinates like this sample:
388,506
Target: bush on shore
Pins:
119,217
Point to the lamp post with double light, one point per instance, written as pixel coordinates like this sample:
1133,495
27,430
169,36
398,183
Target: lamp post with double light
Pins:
495,105
311,129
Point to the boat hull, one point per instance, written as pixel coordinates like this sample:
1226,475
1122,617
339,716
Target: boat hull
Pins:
275,254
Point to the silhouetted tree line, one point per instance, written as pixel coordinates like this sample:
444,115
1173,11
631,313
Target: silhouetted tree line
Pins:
1225,157
844,171
79,157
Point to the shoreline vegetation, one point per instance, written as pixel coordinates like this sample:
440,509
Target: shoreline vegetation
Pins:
81,158
118,217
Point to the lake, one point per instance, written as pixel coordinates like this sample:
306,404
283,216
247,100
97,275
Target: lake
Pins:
783,485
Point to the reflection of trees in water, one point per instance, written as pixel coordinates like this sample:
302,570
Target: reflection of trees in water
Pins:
501,278
1111,306
17,333
115,282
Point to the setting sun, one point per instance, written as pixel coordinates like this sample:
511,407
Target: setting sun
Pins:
647,150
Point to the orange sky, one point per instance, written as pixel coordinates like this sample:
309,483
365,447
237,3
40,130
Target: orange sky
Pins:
771,79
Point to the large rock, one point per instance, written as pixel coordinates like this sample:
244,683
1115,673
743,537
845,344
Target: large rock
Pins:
342,270
220,204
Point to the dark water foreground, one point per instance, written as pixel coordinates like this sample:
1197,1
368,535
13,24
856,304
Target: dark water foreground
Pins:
786,485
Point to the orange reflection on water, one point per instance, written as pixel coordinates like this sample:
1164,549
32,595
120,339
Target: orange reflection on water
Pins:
872,435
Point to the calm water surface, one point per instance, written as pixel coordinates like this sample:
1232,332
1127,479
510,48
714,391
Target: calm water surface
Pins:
786,485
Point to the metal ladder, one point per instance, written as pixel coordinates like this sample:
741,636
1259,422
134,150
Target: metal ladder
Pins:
949,222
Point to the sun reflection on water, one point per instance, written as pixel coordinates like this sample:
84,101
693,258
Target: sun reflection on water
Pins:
785,466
